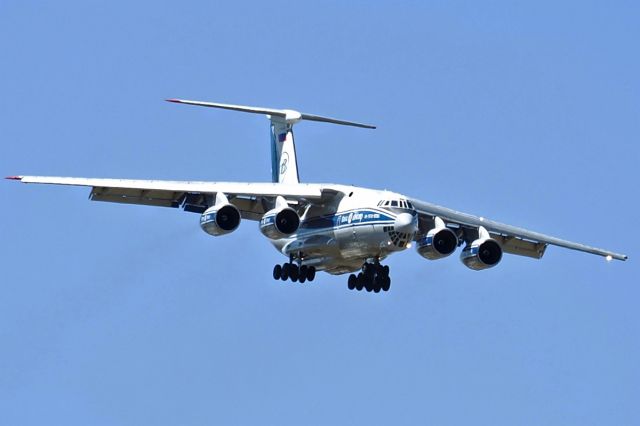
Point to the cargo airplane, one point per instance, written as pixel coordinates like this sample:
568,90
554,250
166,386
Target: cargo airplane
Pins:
338,229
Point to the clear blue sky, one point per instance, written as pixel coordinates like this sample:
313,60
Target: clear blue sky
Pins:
128,315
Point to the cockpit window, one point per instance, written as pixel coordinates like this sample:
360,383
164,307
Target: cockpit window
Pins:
403,204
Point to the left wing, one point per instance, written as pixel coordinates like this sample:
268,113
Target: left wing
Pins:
514,240
252,199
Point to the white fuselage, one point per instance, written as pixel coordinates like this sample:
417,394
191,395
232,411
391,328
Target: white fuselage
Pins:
363,224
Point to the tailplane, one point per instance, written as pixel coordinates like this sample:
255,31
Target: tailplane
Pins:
284,166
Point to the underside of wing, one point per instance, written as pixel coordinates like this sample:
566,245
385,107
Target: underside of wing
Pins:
252,199
513,239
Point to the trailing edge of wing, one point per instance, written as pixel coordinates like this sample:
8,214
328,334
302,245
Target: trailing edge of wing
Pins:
286,114
311,117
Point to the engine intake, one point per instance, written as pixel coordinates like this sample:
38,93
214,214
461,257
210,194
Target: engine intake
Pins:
438,243
481,254
220,220
279,223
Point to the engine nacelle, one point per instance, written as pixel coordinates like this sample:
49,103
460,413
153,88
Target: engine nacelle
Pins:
279,223
220,220
482,253
438,243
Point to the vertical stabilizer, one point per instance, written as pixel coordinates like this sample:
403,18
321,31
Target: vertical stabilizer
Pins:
284,165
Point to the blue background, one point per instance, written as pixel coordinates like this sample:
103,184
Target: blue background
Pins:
527,113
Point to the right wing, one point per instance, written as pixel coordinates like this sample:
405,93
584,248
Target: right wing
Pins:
252,199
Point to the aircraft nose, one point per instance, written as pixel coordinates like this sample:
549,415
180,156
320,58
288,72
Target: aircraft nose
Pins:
406,223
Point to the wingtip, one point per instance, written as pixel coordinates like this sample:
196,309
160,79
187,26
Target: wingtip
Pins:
14,177
177,101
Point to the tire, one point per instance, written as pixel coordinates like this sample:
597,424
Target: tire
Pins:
294,272
351,283
277,272
377,284
368,283
386,284
304,274
311,273
385,270
359,281
285,272
302,279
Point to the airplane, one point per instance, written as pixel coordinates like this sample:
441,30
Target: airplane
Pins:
338,229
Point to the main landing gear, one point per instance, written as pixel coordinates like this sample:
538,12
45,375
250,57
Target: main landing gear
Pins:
294,272
374,277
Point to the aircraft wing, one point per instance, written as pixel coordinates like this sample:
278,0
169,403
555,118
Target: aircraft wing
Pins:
514,240
252,199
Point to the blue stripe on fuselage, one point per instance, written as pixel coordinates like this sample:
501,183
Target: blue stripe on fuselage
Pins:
347,218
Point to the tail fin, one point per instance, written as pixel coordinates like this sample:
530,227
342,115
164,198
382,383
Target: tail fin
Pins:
284,163
284,166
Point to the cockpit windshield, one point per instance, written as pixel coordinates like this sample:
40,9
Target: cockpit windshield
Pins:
402,204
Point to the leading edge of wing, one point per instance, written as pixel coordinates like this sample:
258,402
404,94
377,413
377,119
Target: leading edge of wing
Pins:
309,191
470,220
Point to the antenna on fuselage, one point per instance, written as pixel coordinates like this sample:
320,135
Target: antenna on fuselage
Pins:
284,165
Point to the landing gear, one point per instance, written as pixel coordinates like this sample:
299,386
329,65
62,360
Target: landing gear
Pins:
294,272
374,277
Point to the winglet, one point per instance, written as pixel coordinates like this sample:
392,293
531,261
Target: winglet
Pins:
14,177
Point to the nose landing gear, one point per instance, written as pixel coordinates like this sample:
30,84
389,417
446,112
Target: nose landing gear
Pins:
374,277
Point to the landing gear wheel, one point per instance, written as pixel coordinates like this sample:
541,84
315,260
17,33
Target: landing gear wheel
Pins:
302,279
368,283
385,270
352,282
377,284
386,283
311,273
284,275
359,281
277,272
304,273
294,272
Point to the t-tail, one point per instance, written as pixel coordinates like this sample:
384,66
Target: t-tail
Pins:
284,165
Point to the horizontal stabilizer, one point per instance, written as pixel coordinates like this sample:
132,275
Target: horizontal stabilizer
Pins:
287,115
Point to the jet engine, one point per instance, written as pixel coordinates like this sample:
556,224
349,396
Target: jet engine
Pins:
482,253
438,243
279,222
220,219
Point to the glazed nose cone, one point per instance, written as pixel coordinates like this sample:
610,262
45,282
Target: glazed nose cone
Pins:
406,223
